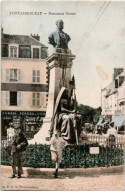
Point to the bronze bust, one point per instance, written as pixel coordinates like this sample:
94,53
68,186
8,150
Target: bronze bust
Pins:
59,39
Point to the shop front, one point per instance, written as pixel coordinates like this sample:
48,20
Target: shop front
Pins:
28,121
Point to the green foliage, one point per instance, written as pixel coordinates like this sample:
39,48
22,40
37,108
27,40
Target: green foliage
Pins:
89,114
74,156
5,157
96,115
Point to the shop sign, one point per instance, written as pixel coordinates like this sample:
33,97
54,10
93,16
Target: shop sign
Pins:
24,113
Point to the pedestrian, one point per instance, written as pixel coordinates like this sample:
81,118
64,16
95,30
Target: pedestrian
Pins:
111,130
10,132
56,146
111,135
18,146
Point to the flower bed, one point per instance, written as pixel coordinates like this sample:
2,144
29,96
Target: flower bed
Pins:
74,156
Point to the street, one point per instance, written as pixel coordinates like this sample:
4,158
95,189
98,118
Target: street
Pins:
63,182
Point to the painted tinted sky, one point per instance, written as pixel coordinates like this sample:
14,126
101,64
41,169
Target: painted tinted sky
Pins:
104,47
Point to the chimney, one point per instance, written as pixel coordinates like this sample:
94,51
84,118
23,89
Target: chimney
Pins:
36,36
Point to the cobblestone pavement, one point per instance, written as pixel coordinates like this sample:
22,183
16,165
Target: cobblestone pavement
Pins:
102,183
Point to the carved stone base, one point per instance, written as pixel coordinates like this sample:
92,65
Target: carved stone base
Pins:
62,58
42,137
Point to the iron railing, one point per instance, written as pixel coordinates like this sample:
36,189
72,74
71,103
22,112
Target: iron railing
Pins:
111,153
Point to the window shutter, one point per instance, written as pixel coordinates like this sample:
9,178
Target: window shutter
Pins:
44,53
38,73
33,99
7,98
38,99
38,76
19,98
19,75
7,75
33,76
4,50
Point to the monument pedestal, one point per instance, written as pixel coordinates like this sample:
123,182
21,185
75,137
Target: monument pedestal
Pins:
60,64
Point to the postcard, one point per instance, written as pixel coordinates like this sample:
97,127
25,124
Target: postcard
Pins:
62,95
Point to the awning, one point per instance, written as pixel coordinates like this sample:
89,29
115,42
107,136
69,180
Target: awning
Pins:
100,123
113,91
104,123
122,128
118,120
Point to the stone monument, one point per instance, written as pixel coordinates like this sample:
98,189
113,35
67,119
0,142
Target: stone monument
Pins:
59,63
59,39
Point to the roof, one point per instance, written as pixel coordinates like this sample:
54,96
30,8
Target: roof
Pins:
111,85
121,74
111,91
21,40
108,93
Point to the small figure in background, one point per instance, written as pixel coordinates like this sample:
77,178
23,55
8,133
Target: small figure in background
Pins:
111,135
112,130
18,146
99,130
10,132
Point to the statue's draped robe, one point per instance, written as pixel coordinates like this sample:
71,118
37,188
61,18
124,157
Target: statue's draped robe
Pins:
67,123
64,125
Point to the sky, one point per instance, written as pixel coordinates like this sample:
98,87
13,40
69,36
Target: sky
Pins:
97,32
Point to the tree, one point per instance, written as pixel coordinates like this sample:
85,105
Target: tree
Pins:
89,114
97,115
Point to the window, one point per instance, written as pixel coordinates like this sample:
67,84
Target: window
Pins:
116,83
44,53
36,76
35,53
24,51
13,75
121,80
13,98
35,99
13,51
4,50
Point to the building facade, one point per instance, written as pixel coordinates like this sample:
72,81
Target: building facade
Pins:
24,82
113,100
